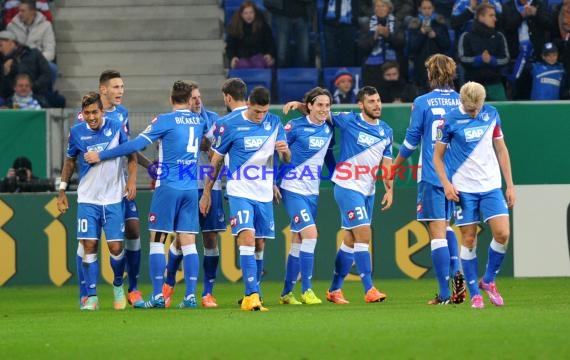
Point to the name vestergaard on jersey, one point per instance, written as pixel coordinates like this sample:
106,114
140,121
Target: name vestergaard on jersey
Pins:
442,102
253,142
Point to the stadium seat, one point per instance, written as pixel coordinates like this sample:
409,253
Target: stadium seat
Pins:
253,77
293,83
329,73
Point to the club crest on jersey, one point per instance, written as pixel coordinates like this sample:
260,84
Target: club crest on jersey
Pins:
485,117
474,133
382,133
253,142
267,125
152,218
97,147
108,132
366,140
327,130
316,142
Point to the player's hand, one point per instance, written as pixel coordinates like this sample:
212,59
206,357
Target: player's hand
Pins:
92,157
451,192
293,105
62,204
205,203
387,200
510,196
234,62
268,59
486,57
276,195
281,146
8,66
131,190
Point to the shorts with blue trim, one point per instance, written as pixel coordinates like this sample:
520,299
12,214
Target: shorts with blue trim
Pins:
131,210
174,210
432,204
302,209
215,220
355,207
471,205
247,214
92,218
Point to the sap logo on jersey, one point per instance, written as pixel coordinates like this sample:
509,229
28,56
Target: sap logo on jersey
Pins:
97,147
474,134
253,142
316,142
366,140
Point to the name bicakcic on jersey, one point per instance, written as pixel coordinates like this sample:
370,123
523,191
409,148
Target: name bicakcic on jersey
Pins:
344,171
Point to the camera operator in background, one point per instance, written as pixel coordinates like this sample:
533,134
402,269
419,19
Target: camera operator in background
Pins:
20,178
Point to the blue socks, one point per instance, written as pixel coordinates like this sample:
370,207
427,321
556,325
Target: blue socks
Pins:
210,265
292,269
90,273
440,261
496,255
156,264
133,254
191,264
453,251
363,264
307,259
248,269
118,265
469,263
342,265
174,260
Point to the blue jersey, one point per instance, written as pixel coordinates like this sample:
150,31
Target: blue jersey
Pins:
362,148
103,183
181,133
473,165
251,147
546,81
203,160
427,115
308,143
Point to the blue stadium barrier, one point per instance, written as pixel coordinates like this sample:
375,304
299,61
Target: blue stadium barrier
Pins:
253,77
293,83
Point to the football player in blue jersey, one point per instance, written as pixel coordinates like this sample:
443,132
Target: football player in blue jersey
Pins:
250,138
210,225
99,196
174,206
432,206
365,149
308,138
472,136
111,89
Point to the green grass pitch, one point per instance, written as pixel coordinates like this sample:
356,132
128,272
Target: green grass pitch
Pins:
45,322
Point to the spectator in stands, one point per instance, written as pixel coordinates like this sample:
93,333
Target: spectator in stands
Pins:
526,24
291,20
345,91
23,97
20,178
340,31
392,88
249,42
18,59
404,10
561,32
386,40
483,52
463,12
427,35
11,8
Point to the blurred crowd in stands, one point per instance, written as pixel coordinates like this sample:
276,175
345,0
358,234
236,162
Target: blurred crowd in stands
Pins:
518,49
